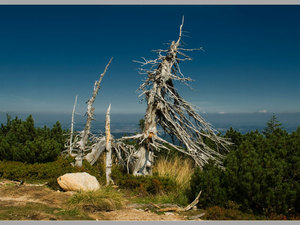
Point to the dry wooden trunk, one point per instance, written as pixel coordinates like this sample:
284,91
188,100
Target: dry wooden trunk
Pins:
90,113
108,148
97,150
72,127
145,156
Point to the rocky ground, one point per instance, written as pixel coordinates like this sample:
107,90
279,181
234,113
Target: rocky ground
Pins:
38,202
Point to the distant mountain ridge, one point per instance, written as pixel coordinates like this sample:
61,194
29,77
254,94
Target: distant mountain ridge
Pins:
128,123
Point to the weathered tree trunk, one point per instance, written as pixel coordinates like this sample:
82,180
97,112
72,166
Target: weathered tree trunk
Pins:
97,150
90,112
108,148
176,116
72,127
145,155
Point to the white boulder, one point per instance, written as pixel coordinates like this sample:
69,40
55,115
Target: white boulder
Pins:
78,182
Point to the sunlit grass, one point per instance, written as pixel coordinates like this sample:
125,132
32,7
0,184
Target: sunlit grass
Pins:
104,199
177,169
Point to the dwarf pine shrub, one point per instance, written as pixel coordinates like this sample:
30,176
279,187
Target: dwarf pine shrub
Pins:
261,174
21,141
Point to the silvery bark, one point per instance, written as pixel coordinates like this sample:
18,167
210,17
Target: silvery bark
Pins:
90,113
144,155
97,150
175,115
72,127
108,148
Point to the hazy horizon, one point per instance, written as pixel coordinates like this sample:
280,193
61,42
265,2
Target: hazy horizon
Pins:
128,123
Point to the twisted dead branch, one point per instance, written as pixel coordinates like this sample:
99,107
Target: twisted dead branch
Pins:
165,107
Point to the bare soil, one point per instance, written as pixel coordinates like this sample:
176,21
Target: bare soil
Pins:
38,202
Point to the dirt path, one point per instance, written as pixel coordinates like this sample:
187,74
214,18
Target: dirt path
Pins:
27,201
135,214
11,191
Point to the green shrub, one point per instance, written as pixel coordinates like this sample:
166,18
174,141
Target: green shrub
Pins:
145,185
220,213
45,172
209,180
261,174
21,141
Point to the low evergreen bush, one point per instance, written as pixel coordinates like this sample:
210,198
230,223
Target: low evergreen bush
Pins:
144,185
261,174
21,141
44,172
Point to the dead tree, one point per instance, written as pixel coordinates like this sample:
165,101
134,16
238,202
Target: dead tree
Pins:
70,143
72,127
85,144
165,107
108,161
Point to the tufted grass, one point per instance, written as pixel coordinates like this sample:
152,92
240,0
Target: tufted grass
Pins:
104,199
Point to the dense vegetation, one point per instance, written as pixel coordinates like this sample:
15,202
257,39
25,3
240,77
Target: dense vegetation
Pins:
261,173
21,141
144,185
46,172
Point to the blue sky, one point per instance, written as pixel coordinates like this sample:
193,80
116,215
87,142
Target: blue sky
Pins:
48,54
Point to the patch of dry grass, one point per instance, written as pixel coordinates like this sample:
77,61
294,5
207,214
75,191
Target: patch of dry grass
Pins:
177,169
104,199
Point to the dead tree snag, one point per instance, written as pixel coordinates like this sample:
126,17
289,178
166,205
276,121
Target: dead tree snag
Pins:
165,107
85,144
108,161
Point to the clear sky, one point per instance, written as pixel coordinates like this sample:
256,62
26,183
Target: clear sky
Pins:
48,54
